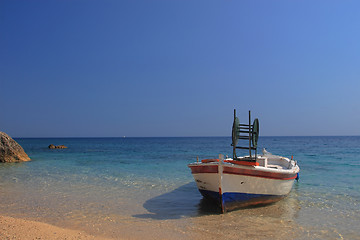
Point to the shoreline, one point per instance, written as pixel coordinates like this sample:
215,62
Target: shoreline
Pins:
17,228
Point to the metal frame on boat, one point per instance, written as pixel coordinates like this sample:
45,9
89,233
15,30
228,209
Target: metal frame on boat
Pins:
244,181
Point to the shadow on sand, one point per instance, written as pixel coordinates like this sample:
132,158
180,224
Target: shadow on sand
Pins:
186,201
183,201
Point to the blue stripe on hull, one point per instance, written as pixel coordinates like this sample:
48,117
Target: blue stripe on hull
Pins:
237,200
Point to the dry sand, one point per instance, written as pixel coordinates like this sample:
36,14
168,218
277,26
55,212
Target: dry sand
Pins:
14,228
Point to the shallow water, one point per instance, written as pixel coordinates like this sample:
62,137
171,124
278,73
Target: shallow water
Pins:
141,187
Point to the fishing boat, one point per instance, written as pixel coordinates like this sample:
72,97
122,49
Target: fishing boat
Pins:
248,180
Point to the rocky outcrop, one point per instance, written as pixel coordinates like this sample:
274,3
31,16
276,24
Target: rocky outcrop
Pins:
52,146
10,150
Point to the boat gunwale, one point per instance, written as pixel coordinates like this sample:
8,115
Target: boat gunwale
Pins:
295,169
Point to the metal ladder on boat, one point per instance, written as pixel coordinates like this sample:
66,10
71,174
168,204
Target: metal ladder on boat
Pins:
249,132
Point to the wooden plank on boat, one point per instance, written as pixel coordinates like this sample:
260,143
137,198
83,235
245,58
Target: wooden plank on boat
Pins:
247,148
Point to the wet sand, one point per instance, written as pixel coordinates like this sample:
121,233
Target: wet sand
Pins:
273,222
172,215
15,228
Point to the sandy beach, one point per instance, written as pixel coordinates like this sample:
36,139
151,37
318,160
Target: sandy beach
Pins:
243,224
14,228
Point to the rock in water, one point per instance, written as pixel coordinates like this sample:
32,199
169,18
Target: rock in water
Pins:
52,146
10,150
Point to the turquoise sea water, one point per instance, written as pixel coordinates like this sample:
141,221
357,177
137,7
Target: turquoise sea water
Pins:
102,183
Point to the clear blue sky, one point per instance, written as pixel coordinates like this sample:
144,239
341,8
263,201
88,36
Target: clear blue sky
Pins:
178,68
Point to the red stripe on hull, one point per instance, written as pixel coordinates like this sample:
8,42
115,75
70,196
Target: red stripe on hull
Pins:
242,171
204,169
256,173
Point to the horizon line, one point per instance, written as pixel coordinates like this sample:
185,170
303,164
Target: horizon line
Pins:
201,136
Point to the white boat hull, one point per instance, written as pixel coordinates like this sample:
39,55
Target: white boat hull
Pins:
235,186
